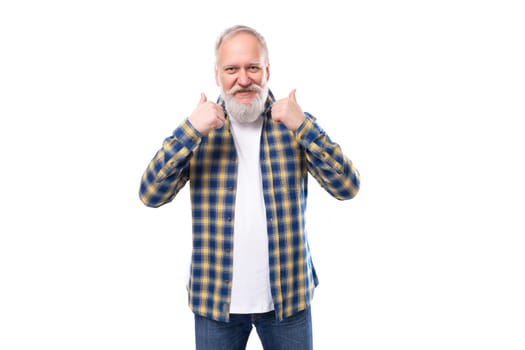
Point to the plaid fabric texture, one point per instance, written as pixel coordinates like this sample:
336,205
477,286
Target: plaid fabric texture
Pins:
209,163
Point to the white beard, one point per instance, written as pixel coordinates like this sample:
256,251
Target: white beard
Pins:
245,112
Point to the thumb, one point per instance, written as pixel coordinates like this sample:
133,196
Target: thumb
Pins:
291,96
203,99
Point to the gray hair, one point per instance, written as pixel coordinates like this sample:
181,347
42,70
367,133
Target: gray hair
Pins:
229,32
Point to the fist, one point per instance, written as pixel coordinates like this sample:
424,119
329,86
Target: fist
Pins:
207,116
288,112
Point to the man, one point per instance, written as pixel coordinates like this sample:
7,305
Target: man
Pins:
247,159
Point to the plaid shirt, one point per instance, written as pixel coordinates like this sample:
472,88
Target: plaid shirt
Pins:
209,162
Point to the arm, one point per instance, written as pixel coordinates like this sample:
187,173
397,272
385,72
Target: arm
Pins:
326,161
168,171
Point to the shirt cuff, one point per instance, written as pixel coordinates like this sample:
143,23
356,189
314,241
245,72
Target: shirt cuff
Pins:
187,135
308,131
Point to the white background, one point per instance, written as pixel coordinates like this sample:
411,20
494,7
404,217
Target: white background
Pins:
425,97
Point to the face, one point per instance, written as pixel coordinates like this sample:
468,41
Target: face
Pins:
240,67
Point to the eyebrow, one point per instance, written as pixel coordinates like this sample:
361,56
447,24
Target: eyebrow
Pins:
255,63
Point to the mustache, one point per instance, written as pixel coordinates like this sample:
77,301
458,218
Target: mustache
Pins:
237,88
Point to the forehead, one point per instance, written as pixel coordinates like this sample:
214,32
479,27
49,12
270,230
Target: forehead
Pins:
240,48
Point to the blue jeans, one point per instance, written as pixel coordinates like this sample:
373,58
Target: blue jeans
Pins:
292,333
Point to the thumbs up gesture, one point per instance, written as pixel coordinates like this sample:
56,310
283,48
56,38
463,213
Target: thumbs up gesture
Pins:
288,112
207,116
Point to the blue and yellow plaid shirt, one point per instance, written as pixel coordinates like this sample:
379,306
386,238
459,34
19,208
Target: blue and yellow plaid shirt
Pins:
209,162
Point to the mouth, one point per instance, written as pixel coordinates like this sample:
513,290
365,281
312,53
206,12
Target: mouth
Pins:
245,92
245,96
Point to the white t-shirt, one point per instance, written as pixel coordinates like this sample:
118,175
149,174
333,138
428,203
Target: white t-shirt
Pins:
251,291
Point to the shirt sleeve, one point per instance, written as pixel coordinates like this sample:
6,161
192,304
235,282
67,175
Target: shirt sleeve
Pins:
326,161
168,171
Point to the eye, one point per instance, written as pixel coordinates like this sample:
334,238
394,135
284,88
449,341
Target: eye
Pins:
254,69
230,69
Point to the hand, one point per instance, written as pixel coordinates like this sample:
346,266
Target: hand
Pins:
288,112
207,116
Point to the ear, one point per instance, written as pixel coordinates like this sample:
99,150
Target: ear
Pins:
217,81
268,71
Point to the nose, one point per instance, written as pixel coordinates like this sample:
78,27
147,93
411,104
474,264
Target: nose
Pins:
243,79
